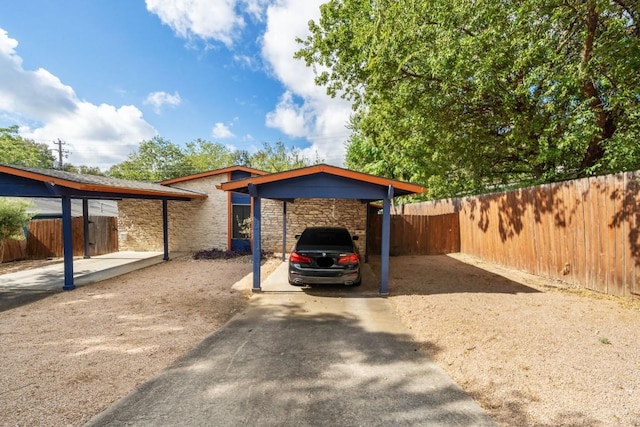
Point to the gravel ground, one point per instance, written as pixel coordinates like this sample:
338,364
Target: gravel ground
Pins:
530,351
67,357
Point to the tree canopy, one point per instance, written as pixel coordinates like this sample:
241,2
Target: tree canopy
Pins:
204,155
466,96
16,150
278,158
159,159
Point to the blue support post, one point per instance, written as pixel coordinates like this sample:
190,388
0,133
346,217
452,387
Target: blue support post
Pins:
85,227
67,244
366,233
386,241
257,250
284,231
165,229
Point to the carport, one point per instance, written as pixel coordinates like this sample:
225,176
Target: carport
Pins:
324,182
20,181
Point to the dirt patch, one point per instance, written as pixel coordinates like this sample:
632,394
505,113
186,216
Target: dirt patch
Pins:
67,357
531,351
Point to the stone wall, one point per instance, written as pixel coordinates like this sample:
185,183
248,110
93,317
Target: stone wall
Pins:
203,224
194,225
303,213
140,225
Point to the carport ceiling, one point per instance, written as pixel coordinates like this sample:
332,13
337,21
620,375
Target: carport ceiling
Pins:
322,181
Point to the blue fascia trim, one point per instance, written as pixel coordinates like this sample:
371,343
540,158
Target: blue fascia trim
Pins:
257,249
321,186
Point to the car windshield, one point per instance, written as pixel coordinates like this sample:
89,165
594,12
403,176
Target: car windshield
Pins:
325,237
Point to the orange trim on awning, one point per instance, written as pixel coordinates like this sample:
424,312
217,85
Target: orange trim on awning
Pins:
98,187
322,168
214,173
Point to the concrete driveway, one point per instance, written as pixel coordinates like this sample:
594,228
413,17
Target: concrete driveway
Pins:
303,357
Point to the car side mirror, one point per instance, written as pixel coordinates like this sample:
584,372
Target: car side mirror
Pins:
355,237
297,236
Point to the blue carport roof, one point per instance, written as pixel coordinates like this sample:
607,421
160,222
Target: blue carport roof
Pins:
322,181
22,181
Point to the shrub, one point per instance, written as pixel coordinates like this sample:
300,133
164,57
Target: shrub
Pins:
13,218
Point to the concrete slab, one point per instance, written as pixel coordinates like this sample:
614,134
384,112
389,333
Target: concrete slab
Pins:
85,271
303,357
277,282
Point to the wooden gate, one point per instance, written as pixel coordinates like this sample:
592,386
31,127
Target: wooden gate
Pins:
44,237
417,234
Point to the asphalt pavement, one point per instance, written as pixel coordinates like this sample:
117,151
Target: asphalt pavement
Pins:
321,356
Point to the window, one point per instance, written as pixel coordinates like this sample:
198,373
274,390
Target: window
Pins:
241,221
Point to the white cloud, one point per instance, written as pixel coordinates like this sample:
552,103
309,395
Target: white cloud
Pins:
247,61
159,99
221,131
96,135
256,8
304,109
289,117
204,19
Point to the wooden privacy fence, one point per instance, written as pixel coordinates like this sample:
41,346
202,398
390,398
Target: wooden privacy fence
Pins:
417,234
14,250
584,232
44,237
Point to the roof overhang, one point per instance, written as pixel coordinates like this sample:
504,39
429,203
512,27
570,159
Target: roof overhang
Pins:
322,181
214,173
19,181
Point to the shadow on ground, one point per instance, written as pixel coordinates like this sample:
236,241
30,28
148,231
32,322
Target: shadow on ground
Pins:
13,299
423,275
440,274
290,365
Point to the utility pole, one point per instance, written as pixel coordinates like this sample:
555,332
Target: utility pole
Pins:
62,153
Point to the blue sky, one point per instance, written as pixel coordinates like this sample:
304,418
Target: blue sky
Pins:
103,75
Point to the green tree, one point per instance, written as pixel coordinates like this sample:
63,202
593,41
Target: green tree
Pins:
13,217
16,150
464,95
157,159
241,157
204,155
278,158
82,169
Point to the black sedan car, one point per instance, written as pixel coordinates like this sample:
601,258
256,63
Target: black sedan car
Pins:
325,255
